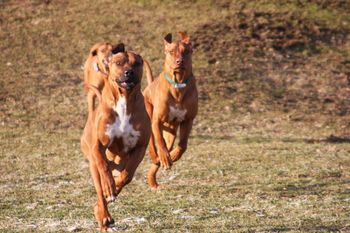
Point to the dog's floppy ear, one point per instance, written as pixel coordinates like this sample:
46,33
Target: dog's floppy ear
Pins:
119,48
184,37
168,38
93,50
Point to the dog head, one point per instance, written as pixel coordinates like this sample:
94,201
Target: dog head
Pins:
103,54
125,68
178,54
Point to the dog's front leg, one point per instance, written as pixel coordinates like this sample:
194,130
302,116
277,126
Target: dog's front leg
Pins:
185,130
151,146
91,100
164,156
107,181
102,215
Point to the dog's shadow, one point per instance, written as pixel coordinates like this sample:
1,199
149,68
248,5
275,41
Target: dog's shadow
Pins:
333,139
330,139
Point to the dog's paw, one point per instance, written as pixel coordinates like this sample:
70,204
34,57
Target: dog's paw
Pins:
155,188
165,161
110,222
103,217
175,154
110,199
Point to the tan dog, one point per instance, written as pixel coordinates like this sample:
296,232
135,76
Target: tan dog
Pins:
117,131
171,102
96,69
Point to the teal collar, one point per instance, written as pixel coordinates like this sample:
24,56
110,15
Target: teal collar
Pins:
175,84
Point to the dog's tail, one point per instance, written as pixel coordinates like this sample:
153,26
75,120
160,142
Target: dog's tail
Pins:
148,72
95,90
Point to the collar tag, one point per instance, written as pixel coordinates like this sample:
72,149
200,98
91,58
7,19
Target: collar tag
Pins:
180,85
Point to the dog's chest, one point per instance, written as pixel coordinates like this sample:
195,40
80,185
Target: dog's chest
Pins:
122,127
176,113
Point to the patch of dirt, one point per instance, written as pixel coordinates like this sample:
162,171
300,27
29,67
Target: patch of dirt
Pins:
267,60
338,4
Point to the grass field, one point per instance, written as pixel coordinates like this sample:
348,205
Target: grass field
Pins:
269,151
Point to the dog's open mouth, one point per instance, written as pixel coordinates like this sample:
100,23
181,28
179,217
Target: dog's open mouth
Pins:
128,84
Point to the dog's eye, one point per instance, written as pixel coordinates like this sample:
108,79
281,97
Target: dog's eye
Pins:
119,63
171,52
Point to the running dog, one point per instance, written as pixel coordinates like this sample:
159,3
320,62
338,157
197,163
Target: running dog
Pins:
171,102
117,131
96,69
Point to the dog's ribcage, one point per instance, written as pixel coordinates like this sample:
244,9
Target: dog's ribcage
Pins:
122,128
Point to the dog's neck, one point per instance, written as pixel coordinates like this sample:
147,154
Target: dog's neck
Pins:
178,76
184,77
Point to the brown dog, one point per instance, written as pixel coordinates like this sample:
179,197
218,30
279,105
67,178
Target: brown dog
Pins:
171,101
96,69
117,131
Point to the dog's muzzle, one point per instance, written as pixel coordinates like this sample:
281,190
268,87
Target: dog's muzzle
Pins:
128,80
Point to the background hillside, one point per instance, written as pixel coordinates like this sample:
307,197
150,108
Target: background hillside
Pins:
269,150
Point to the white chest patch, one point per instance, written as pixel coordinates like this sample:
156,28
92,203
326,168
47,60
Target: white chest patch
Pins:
176,113
122,128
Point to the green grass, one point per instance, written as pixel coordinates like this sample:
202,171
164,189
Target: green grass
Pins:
249,167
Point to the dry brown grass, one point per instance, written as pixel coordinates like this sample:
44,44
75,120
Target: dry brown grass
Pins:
261,157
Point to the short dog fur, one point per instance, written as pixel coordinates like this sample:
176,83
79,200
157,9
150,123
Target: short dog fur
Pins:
171,102
96,69
117,131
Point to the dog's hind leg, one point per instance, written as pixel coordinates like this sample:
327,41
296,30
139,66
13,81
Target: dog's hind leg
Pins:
129,167
169,135
151,176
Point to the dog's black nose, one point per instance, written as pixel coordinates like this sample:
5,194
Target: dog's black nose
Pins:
129,73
